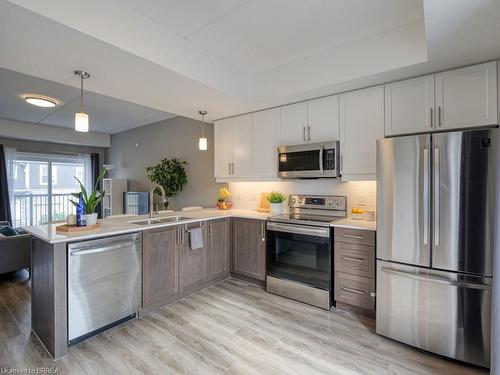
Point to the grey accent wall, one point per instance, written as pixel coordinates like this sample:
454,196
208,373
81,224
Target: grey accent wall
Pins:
176,137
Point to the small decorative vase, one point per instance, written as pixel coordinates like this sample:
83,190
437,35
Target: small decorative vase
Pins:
276,208
91,219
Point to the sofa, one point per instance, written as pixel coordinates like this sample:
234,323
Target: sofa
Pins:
15,251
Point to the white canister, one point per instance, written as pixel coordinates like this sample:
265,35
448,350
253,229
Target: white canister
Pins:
91,218
369,215
71,219
276,208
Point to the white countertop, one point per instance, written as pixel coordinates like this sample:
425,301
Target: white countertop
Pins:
351,223
122,225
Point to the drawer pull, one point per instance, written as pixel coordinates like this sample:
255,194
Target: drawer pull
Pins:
349,259
352,290
352,236
373,294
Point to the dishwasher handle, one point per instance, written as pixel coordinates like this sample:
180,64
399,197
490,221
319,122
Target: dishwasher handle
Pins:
103,249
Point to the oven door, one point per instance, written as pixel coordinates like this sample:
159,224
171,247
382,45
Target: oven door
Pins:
299,253
308,161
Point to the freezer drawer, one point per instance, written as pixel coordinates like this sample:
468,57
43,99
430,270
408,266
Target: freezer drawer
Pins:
104,283
442,312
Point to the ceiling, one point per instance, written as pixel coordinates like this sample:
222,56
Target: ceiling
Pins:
235,56
107,115
260,35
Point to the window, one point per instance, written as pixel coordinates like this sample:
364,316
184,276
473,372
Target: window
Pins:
43,174
40,191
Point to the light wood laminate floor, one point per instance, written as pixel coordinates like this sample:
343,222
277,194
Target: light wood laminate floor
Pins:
230,328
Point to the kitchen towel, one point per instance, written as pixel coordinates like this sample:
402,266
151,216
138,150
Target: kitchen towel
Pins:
196,238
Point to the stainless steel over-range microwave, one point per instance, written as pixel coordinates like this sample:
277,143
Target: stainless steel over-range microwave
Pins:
312,160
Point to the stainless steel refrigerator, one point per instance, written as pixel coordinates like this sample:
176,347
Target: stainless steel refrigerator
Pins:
436,222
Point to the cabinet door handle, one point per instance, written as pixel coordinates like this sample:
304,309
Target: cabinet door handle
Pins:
228,168
352,236
308,133
349,259
304,133
439,115
432,120
262,232
350,290
373,294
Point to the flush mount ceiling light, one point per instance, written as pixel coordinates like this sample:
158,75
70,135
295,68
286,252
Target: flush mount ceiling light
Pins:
40,101
202,142
81,118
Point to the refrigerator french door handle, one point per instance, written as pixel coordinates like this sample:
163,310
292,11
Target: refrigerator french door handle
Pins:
426,196
437,182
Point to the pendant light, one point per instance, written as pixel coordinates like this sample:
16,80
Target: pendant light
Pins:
202,142
81,118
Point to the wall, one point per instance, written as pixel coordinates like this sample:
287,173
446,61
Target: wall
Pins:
359,193
176,137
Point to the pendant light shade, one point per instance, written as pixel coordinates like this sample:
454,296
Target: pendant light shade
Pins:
81,118
202,142
81,122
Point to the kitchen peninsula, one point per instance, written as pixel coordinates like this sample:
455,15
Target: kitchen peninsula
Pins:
167,268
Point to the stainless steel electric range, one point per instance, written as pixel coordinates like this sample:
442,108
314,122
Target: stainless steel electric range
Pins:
299,249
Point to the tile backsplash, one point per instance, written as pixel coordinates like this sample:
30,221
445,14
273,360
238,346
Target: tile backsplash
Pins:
359,193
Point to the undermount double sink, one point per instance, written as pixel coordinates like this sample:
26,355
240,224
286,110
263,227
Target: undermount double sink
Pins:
170,219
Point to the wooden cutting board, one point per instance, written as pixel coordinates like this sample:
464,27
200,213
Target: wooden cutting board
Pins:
264,203
74,229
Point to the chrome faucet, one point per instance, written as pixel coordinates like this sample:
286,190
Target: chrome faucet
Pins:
151,199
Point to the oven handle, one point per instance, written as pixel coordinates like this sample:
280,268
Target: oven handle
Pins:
299,229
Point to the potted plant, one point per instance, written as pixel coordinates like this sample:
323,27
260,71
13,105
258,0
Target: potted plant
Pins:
170,175
276,200
91,201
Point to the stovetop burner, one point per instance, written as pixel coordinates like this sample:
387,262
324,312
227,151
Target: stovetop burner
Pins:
305,218
316,210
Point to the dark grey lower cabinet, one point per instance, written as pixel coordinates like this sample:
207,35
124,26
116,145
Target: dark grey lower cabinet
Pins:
172,270
249,248
219,233
160,264
193,264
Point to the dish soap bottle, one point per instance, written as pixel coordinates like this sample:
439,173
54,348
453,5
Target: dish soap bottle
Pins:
80,210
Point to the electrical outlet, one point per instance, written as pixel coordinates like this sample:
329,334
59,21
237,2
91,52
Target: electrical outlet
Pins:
361,200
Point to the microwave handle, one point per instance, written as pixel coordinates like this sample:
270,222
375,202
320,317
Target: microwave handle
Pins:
321,160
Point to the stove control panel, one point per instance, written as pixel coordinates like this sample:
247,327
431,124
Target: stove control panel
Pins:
325,202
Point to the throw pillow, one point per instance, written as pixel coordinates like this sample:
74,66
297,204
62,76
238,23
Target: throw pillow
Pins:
8,231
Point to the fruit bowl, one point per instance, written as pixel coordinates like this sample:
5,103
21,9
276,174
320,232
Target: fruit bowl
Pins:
224,205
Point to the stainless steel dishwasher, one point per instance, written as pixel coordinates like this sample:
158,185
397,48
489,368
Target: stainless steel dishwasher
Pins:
104,284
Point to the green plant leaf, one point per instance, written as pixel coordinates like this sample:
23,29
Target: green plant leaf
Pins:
169,174
276,197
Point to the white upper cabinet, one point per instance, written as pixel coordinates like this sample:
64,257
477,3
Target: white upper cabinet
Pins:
242,146
467,97
409,106
266,135
223,147
233,147
361,124
294,124
323,119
